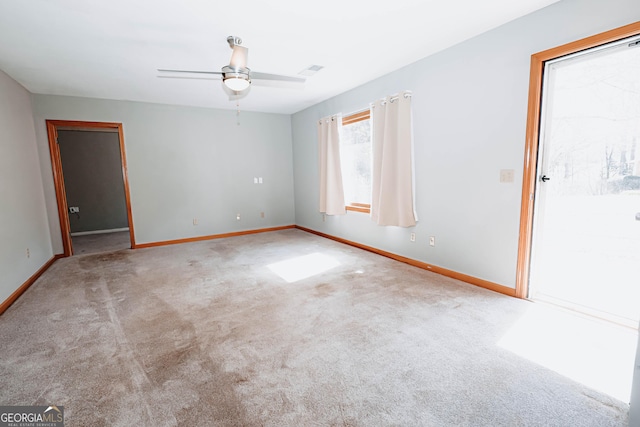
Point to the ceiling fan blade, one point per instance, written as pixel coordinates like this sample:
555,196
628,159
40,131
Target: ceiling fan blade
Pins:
239,57
189,74
278,84
190,78
278,77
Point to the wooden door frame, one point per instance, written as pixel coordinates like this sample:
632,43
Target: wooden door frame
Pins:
58,177
538,61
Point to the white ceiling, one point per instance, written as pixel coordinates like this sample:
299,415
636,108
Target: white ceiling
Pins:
112,48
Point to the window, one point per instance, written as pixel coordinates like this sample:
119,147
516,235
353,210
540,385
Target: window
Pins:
355,154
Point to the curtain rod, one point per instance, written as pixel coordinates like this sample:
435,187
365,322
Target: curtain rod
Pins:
394,98
332,117
406,94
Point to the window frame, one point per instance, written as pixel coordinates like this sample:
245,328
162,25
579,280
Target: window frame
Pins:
348,120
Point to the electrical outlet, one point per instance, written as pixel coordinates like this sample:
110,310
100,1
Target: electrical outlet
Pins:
195,221
28,253
432,241
74,209
412,237
237,217
261,214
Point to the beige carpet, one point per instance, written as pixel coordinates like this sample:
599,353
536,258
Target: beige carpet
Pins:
208,334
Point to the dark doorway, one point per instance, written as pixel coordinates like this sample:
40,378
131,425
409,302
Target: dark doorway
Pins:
92,191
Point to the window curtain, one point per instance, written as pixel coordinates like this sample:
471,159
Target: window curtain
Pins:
331,189
392,201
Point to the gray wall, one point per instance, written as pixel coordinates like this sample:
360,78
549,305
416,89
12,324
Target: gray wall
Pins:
186,163
23,217
93,179
470,107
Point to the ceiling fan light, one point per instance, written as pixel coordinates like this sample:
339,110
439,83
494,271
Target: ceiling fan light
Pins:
237,83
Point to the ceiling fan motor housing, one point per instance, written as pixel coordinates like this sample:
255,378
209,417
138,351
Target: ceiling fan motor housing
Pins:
237,79
234,41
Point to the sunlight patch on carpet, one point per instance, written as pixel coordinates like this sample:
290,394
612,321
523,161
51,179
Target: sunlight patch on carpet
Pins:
303,267
594,353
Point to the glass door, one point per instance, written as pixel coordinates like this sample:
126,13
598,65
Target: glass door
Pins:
586,241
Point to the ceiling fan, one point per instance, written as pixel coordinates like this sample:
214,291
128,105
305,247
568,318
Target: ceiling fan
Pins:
236,76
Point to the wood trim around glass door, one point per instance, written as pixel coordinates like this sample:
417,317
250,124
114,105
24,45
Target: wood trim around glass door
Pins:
538,61
58,177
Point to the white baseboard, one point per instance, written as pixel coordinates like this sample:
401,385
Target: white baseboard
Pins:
113,230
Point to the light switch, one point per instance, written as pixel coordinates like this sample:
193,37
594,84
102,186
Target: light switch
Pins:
506,175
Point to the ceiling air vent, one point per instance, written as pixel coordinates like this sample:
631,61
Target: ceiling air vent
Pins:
310,70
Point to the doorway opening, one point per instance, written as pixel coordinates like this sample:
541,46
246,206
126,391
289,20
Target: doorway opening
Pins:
91,184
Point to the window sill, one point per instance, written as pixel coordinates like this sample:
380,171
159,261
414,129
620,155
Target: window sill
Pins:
359,207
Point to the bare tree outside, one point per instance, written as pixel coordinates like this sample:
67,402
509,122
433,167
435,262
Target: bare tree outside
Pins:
595,125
